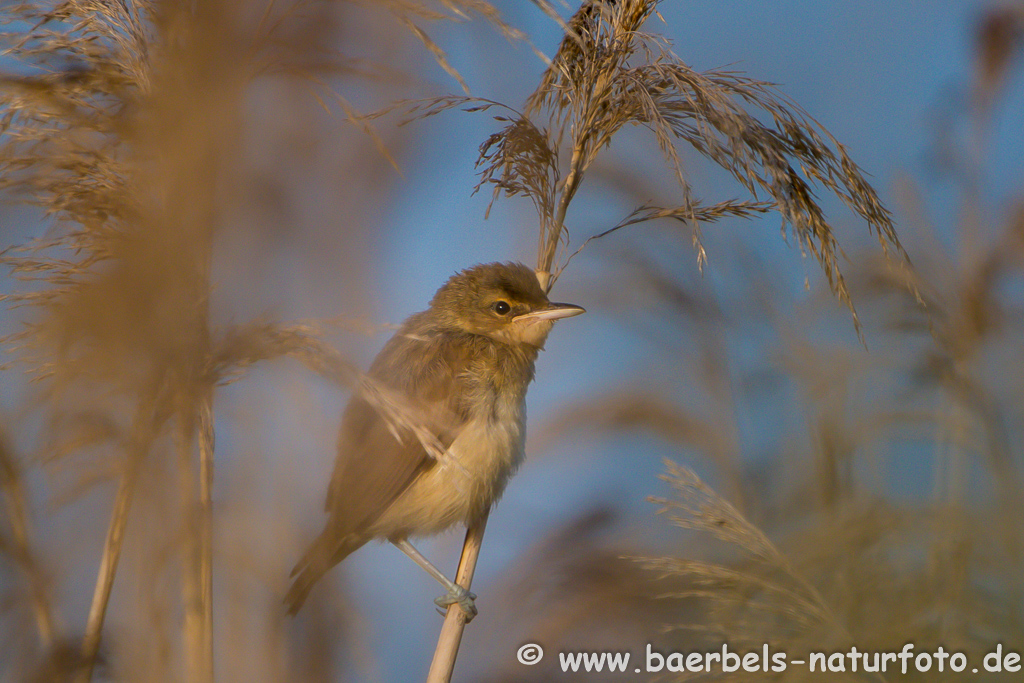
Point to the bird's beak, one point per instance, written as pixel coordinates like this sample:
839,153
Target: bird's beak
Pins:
552,312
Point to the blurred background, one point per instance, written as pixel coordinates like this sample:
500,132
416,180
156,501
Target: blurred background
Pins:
864,485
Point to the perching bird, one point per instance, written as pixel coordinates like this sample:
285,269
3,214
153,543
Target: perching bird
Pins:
463,365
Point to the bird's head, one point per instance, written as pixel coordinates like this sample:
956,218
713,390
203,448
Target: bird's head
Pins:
503,301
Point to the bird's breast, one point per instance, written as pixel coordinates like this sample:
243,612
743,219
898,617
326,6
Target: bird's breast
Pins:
471,476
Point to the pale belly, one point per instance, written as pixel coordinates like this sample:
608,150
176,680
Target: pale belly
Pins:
461,488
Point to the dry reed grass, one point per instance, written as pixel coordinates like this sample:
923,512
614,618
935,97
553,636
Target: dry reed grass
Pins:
121,123
609,73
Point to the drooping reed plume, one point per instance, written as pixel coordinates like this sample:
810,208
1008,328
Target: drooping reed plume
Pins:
609,73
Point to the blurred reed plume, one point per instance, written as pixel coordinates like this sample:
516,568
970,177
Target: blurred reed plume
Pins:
124,123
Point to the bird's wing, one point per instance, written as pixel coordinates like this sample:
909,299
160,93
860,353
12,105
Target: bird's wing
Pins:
373,467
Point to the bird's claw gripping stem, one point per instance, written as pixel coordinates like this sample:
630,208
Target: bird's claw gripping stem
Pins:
457,595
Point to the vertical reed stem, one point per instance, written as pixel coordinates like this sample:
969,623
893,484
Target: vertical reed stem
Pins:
14,493
108,567
143,431
206,449
443,665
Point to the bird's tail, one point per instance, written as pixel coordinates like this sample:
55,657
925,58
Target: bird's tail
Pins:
325,552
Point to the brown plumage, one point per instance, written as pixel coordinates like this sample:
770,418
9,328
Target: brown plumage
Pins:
464,364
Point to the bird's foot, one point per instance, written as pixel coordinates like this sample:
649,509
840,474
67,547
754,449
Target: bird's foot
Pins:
461,597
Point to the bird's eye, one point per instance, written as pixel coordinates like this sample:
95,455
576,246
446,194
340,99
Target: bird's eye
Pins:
501,307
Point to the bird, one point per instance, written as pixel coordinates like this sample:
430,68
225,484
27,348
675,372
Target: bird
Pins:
464,366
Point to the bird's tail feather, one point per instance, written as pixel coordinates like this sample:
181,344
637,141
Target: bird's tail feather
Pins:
325,552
